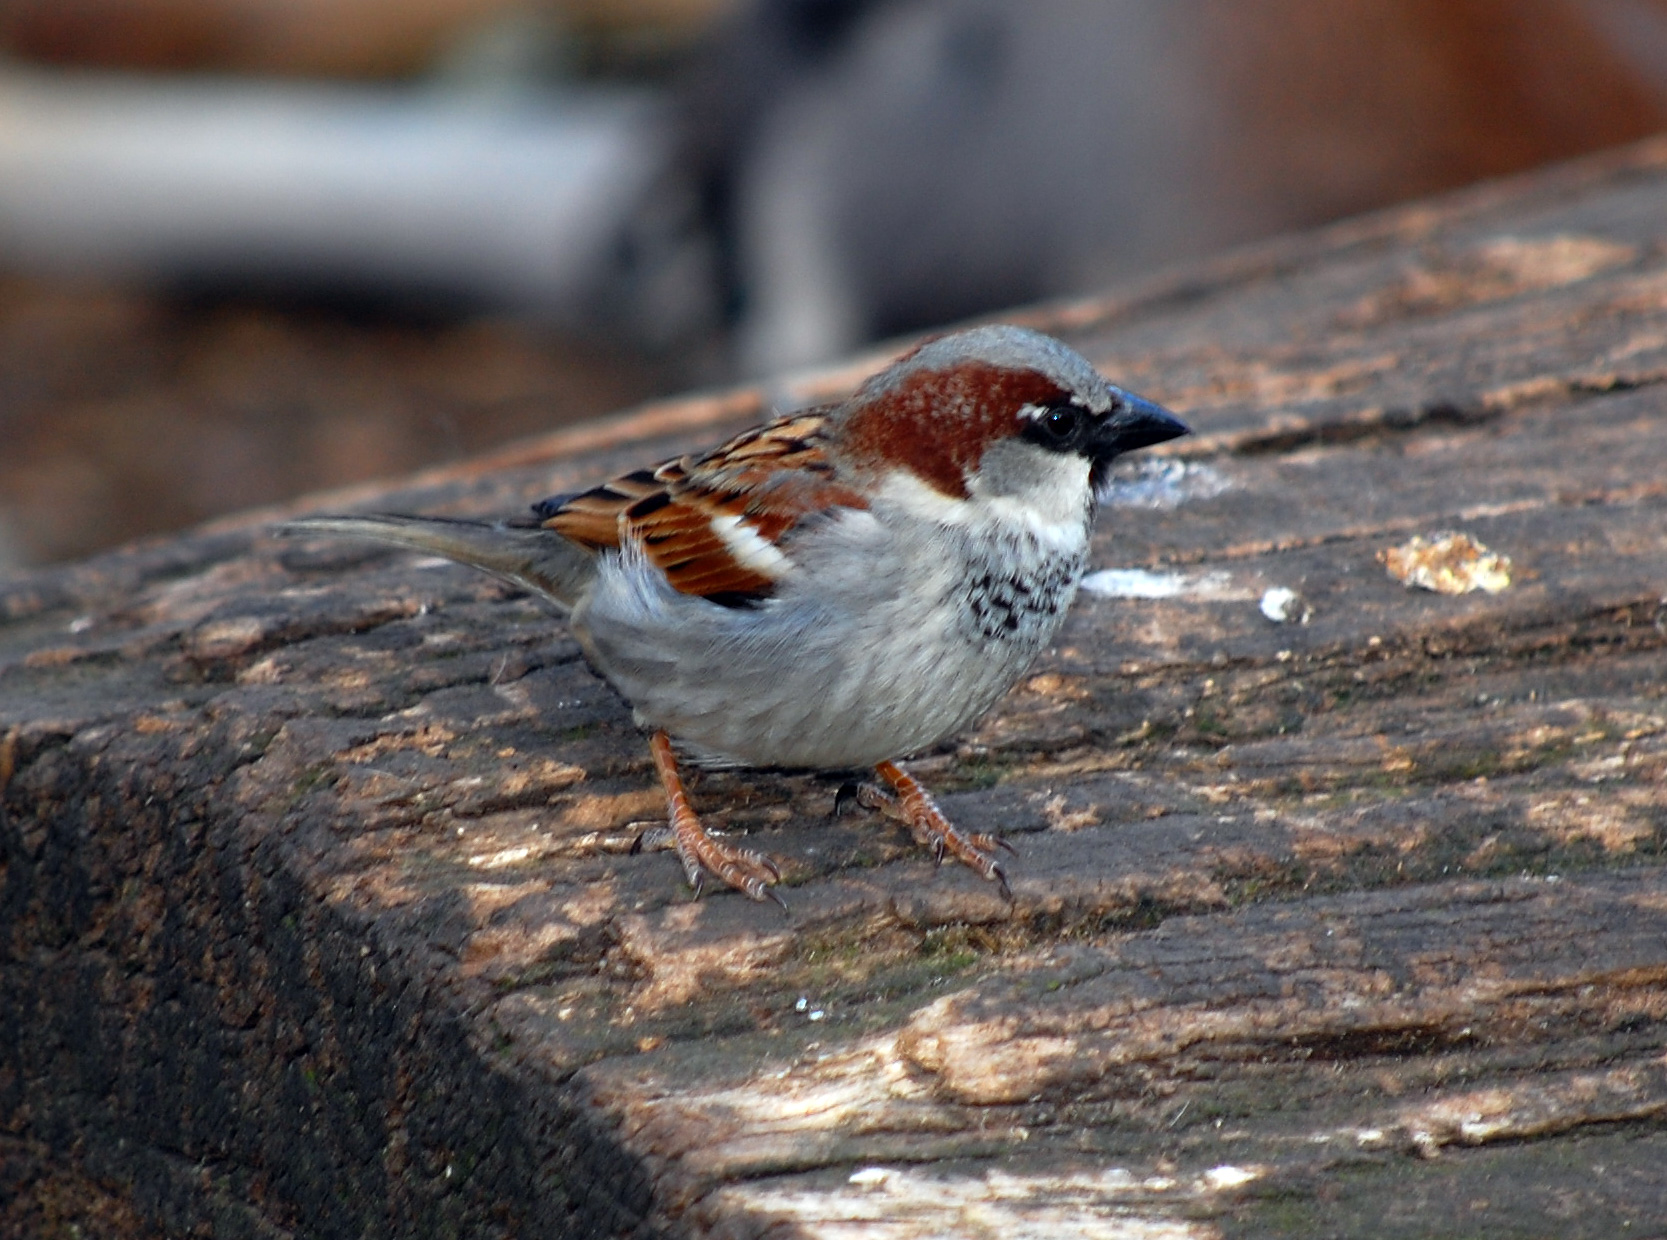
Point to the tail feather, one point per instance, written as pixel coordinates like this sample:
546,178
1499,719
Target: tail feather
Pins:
540,560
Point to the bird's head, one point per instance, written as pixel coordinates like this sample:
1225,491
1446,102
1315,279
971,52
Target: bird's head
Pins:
999,417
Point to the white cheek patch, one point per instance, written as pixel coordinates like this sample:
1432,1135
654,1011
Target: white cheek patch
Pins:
750,549
1046,493
1054,510
1064,530
905,490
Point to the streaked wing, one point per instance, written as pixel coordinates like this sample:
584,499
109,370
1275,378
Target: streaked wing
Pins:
591,518
716,524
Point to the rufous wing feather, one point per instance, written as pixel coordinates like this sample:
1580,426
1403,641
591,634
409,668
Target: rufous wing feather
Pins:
716,525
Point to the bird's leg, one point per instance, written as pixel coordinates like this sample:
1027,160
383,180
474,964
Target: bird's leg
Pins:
905,800
742,868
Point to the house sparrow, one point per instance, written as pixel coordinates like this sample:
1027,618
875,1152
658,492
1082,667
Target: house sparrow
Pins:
835,589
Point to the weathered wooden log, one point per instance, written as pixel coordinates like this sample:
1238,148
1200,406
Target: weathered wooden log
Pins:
1340,908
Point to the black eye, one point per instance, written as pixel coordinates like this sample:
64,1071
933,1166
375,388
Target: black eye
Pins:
1059,425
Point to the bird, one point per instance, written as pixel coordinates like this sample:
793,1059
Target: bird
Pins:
836,589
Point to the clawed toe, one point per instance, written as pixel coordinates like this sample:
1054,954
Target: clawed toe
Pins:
989,843
849,794
999,874
652,839
749,872
906,801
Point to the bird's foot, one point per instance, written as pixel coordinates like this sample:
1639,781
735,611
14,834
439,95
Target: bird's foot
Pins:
748,871
903,799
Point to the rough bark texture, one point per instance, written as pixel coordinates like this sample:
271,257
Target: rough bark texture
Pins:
320,916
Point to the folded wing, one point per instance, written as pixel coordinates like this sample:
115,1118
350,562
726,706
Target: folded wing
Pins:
717,525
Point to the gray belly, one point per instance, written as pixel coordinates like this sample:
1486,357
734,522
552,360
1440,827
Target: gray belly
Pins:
833,674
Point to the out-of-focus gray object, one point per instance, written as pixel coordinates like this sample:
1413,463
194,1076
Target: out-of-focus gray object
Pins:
869,167
832,171
502,198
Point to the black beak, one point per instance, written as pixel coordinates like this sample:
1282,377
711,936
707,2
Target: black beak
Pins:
1132,424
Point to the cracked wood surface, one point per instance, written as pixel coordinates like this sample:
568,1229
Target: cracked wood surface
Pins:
321,918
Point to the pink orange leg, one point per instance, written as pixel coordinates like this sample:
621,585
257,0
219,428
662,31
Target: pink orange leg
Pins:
905,800
742,868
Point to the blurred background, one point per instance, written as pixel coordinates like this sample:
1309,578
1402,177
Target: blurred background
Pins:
250,248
